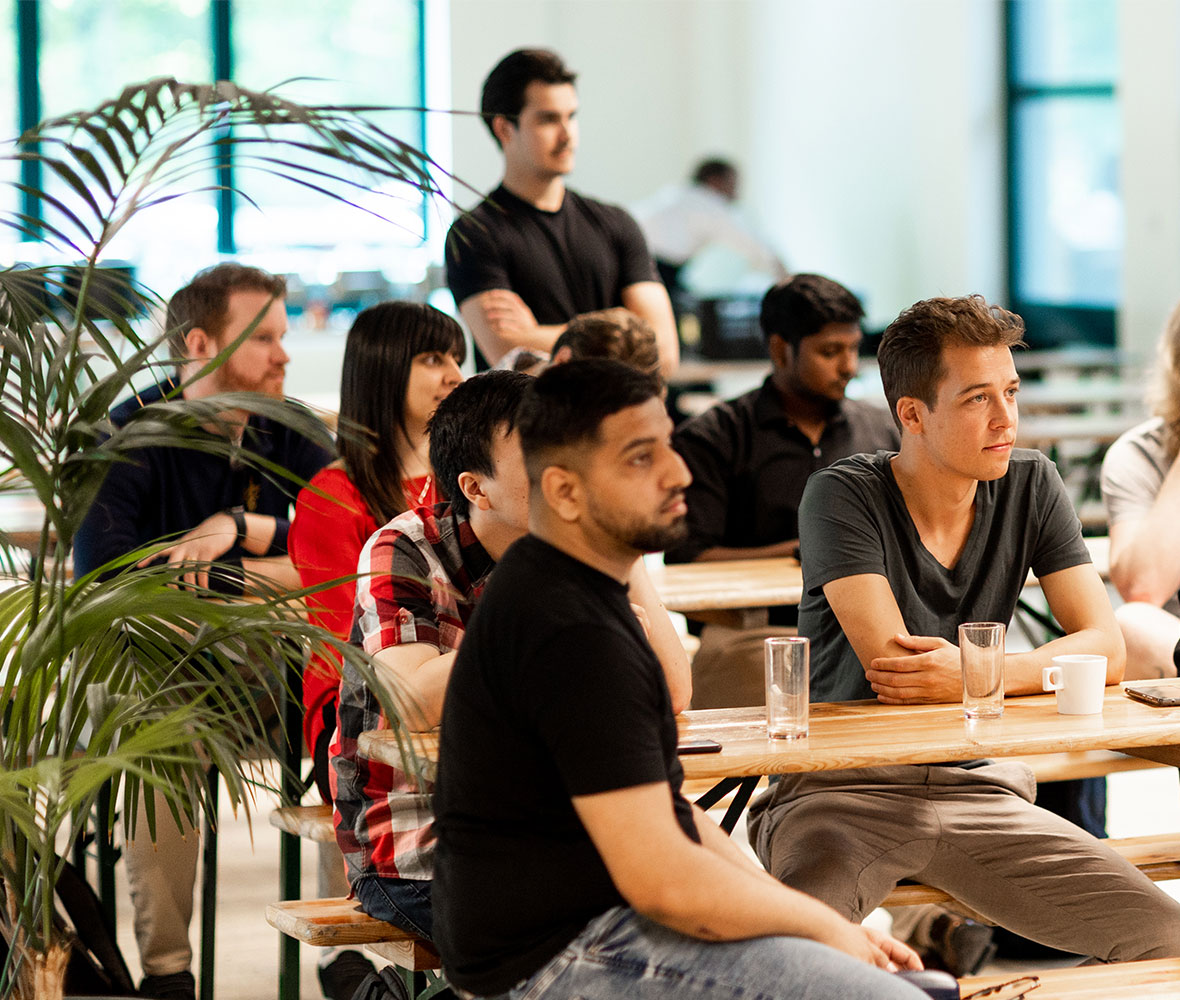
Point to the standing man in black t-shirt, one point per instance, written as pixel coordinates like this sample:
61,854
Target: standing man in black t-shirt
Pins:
569,863
534,254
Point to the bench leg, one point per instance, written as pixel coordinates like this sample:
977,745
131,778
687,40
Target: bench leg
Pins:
209,890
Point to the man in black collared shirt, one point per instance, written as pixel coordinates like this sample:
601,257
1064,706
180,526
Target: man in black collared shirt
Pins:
750,458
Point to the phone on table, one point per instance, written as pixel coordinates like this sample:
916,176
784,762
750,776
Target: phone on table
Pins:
1162,694
699,745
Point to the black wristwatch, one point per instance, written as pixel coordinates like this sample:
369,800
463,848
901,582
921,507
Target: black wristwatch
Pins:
239,515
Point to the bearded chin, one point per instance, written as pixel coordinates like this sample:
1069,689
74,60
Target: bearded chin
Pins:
656,538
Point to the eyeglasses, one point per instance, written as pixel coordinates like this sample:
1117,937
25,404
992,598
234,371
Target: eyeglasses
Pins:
1013,989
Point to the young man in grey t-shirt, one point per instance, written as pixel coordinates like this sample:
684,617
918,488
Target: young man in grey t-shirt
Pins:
898,550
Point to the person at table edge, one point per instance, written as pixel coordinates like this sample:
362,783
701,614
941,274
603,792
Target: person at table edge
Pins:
535,253
421,576
751,456
569,862
1141,490
898,550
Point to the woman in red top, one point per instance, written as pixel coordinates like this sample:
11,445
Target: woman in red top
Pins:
401,360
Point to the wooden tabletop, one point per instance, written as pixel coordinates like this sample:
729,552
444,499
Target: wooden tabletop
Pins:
734,583
21,517
866,734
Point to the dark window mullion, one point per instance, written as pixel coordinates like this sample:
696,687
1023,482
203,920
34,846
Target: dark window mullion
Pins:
223,69
28,57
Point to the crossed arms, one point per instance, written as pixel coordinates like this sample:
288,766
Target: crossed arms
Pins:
904,668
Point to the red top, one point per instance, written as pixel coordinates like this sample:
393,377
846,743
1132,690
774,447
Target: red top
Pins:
327,535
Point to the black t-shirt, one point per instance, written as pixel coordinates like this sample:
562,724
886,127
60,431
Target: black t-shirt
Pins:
574,260
749,463
854,520
555,693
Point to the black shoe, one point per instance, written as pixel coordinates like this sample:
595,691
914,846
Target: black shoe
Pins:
340,978
961,946
173,986
384,985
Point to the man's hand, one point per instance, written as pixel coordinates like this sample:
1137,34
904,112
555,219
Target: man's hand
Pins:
872,946
208,541
931,674
507,315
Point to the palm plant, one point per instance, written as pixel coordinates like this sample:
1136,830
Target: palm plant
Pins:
128,679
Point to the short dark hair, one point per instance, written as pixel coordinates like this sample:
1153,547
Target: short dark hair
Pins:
566,405
910,355
378,355
204,301
464,428
803,305
713,169
611,333
503,90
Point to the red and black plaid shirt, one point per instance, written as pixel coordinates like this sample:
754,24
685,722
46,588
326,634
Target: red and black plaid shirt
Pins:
420,577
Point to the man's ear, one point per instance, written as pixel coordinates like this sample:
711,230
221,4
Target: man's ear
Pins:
562,492
782,354
198,345
471,486
911,411
563,354
502,128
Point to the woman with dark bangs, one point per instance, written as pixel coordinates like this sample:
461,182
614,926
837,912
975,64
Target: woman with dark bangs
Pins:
401,360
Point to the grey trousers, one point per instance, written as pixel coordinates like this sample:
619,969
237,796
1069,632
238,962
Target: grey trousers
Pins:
848,837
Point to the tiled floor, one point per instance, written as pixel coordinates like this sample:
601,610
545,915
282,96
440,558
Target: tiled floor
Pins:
247,948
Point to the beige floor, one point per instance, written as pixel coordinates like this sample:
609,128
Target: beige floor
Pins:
247,948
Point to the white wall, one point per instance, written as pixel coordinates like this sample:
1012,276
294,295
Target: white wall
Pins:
1149,97
870,130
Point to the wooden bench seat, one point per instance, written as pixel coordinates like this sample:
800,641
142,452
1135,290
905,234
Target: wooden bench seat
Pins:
308,822
1156,855
329,922
1127,980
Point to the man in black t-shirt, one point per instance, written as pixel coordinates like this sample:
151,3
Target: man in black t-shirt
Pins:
534,254
898,550
563,833
750,458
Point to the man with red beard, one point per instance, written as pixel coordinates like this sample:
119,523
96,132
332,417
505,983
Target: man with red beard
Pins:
215,509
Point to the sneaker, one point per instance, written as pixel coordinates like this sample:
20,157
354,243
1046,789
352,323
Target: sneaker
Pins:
960,946
340,978
173,986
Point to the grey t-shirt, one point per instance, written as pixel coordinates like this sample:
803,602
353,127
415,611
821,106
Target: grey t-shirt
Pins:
853,520
1133,472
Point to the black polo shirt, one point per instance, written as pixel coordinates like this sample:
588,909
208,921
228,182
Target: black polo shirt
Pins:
750,462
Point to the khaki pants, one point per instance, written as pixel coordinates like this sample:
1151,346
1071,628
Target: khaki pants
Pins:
728,670
849,837
161,877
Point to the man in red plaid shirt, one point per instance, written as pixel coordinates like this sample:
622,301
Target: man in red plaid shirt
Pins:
420,578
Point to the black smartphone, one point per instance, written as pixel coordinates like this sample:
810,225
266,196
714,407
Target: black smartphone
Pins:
698,746
1160,694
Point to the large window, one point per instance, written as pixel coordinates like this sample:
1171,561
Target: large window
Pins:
1065,210
62,55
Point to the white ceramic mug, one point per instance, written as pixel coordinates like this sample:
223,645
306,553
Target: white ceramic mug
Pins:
1080,682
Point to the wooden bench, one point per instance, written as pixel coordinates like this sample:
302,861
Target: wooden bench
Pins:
329,922
308,822
1129,980
1156,855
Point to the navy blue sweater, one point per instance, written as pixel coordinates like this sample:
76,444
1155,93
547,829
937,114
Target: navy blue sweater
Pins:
164,492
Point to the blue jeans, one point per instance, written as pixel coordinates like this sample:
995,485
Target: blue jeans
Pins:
403,902
621,954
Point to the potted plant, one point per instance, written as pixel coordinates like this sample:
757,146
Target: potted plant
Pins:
130,680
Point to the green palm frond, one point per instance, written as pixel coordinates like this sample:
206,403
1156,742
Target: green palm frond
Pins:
127,677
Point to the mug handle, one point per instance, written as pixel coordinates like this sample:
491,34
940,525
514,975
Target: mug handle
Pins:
1051,679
